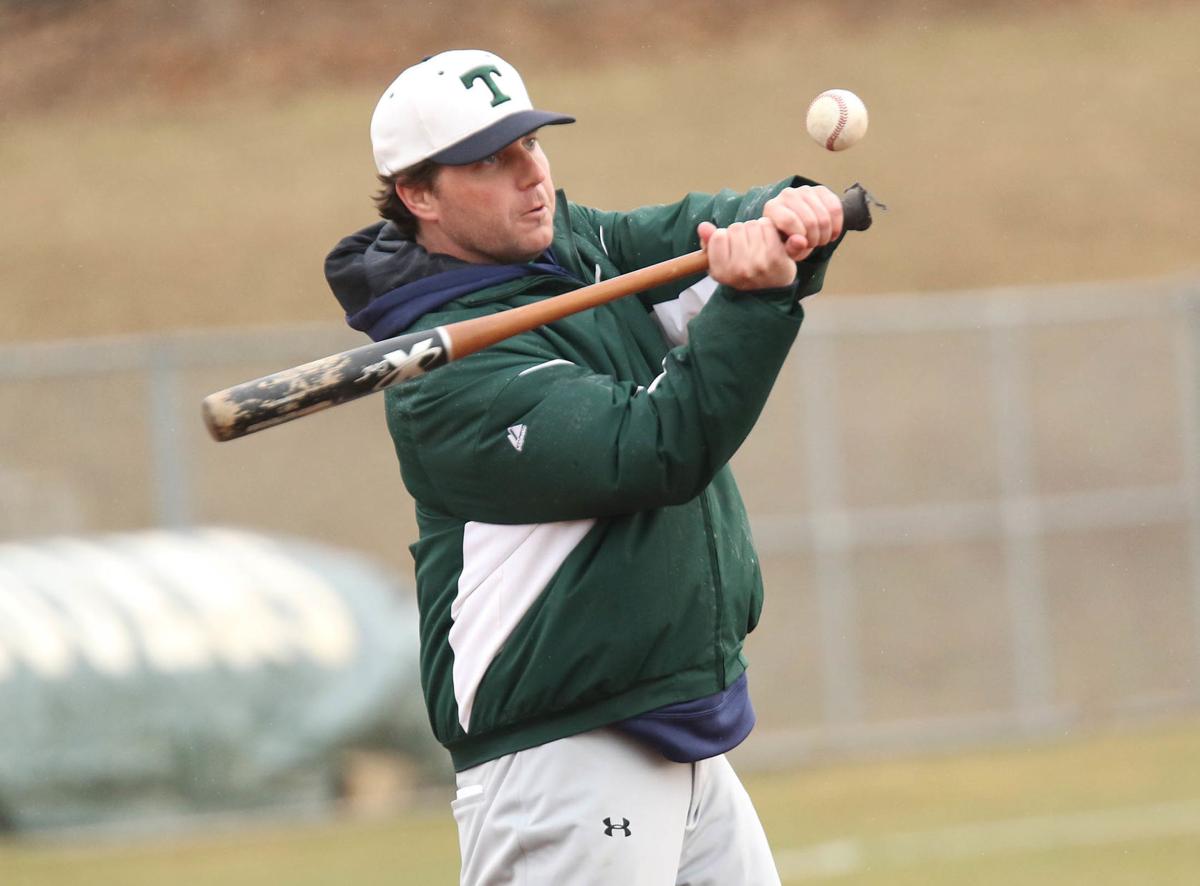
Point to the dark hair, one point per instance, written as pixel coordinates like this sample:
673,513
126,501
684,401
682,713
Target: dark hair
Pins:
388,202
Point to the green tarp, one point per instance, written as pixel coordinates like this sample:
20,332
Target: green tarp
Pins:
152,675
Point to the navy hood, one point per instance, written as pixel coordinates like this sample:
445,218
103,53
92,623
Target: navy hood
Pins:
386,283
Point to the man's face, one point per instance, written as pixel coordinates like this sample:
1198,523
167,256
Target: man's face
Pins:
498,210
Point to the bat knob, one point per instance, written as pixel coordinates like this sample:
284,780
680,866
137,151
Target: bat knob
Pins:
856,208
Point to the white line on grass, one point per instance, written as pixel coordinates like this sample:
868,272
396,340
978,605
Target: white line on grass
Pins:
1025,834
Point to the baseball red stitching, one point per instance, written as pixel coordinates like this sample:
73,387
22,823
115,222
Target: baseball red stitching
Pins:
843,116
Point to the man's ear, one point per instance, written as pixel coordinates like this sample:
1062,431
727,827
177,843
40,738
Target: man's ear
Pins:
419,199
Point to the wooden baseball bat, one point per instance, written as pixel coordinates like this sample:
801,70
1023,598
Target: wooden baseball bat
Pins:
291,393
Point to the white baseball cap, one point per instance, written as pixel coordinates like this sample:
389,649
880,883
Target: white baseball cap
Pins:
455,108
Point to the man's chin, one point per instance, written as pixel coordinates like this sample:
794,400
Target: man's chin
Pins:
535,248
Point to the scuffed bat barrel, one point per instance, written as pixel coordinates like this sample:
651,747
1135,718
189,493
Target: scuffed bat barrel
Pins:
340,378
330,381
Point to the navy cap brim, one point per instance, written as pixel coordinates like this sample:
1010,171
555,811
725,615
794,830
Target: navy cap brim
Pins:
503,132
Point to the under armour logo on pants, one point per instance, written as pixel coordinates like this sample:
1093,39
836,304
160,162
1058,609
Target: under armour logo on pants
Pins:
609,827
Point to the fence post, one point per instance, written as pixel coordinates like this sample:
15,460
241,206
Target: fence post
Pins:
842,679
1020,518
1187,365
170,477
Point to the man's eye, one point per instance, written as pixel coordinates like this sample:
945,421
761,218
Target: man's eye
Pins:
530,142
489,159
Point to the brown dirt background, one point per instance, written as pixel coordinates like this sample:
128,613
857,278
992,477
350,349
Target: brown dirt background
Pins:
167,166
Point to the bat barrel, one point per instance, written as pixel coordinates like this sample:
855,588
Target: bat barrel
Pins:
282,396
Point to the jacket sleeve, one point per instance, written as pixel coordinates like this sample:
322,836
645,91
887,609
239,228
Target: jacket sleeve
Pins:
518,434
651,234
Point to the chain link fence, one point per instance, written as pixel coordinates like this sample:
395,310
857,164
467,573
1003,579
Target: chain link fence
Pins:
978,512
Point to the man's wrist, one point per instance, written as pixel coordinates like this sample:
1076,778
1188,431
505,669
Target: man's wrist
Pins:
782,298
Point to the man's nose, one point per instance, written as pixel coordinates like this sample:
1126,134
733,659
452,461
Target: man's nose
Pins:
529,172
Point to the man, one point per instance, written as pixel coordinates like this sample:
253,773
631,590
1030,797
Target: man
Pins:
585,571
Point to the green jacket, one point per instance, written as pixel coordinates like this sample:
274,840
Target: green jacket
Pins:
584,554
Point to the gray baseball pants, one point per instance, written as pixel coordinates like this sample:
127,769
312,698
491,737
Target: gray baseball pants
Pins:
602,809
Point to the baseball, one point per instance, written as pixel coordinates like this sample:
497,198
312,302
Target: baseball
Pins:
837,119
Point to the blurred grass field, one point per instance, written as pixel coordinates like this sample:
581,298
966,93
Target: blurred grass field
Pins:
1121,809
